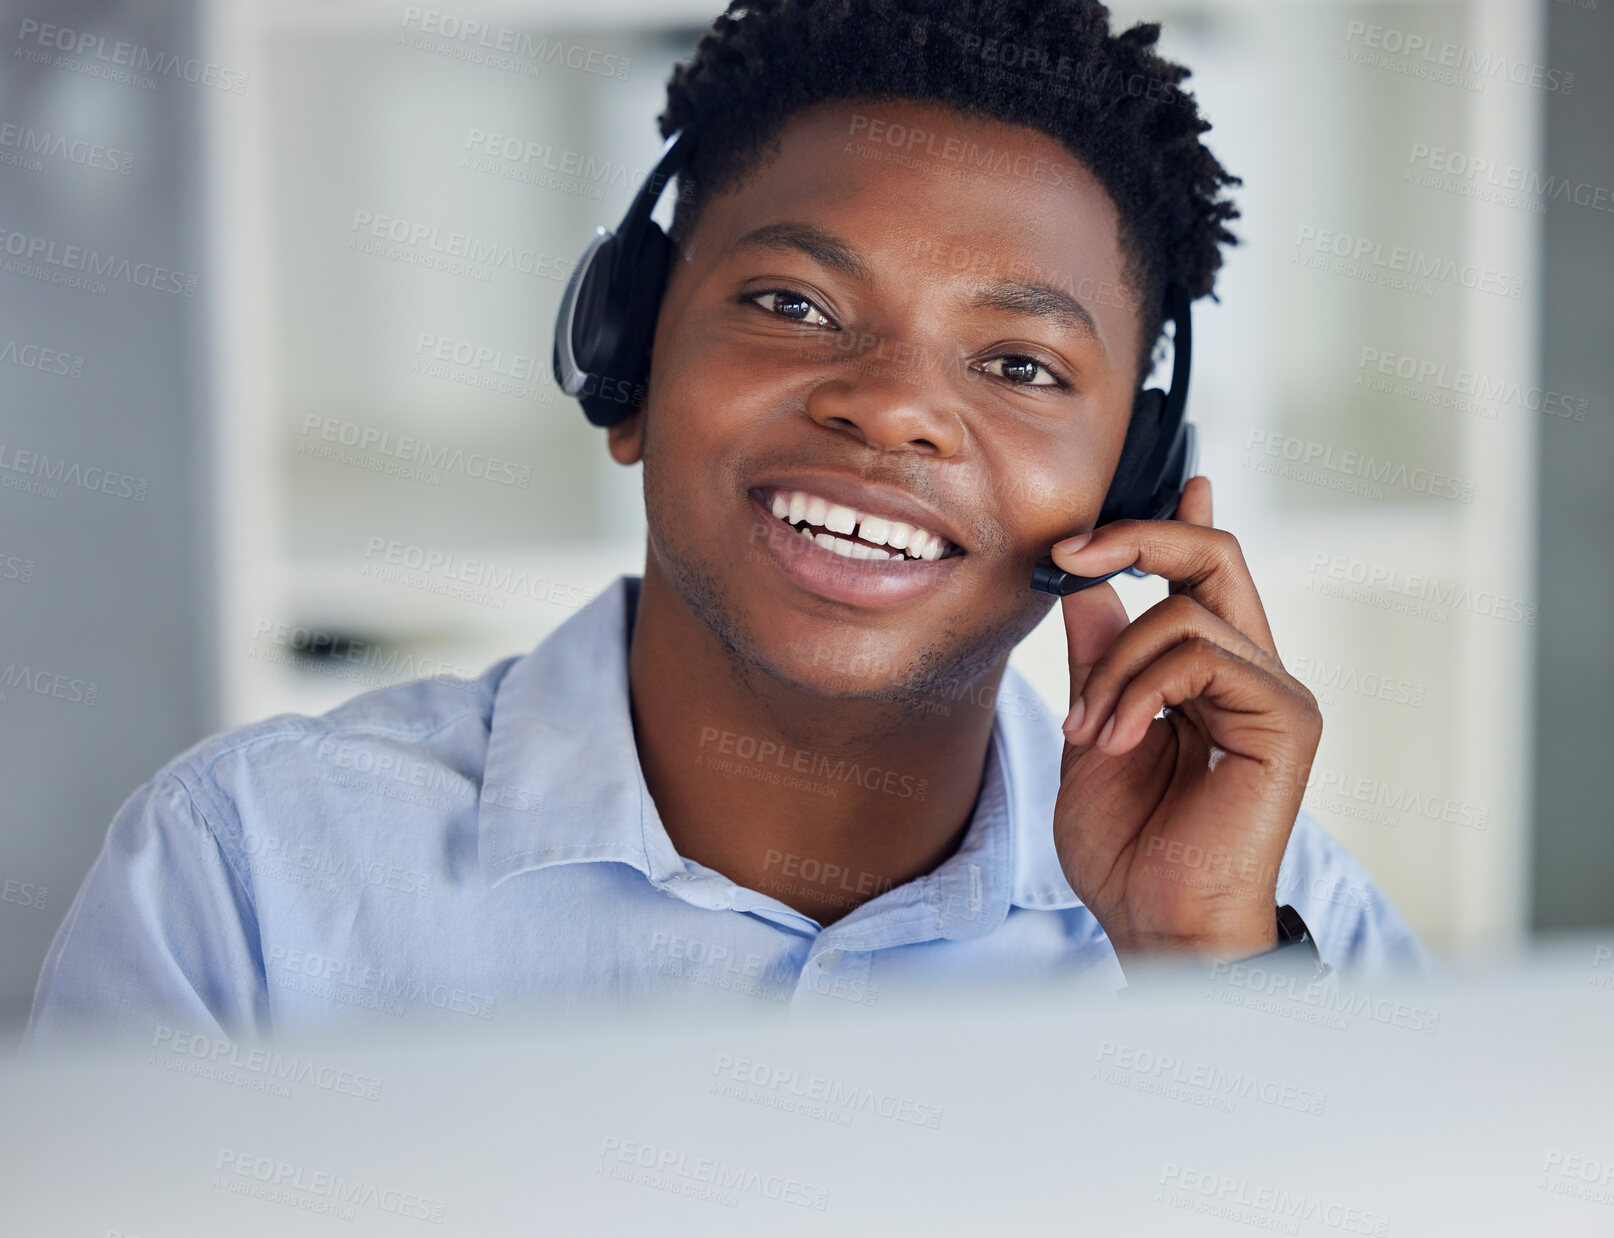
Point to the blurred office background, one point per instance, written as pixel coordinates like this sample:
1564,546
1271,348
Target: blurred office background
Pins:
297,314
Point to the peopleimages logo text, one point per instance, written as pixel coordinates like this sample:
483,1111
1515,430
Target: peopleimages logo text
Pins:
82,43
523,43
1368,253
812,764
1481,66
78,258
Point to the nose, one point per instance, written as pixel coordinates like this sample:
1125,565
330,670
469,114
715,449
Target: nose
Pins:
893,405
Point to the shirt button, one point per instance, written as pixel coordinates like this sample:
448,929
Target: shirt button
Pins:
829,958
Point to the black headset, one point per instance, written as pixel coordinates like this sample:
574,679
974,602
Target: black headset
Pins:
607,322
1158,456
607,316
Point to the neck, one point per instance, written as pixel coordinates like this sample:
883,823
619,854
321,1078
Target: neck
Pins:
822,803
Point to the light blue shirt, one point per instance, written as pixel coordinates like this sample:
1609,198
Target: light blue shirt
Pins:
451,850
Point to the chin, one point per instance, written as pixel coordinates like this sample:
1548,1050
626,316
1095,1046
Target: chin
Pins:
911,657
842,660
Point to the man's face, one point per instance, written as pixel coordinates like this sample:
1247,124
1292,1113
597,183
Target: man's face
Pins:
907,318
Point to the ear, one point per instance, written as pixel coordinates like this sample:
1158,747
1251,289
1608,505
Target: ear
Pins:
626,438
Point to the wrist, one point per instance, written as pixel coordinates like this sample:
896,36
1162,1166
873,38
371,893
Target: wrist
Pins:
1289,948
1223,939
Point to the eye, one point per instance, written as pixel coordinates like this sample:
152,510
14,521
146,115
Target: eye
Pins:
1022,371
791,305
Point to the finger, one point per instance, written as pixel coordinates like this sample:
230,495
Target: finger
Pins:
1093,619
1208,563
1193,507
1247,712
1166,624
1086,635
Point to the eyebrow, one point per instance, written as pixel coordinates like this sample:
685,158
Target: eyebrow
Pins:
1037,301
819,244
1028,298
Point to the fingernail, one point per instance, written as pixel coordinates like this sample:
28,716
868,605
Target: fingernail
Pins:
1072,544
1105,733
1074,722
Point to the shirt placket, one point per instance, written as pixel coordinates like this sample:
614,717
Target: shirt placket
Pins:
834,978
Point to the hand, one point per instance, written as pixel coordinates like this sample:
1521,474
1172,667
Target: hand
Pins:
1171,829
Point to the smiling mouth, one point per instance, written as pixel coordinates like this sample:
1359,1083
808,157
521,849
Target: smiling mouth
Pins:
854,534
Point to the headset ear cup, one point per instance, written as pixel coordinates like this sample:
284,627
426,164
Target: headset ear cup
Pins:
1123,500
628,294
644,288
592,339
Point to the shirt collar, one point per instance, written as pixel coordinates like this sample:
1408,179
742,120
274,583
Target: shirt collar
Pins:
562,784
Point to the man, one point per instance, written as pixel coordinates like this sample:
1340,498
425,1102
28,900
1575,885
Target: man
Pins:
790,765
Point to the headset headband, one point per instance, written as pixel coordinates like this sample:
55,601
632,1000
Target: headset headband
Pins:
607,313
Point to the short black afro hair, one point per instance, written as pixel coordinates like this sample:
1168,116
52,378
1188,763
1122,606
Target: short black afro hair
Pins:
1049,65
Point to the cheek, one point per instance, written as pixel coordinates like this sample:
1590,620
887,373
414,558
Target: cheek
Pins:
699,435
709,401
689,425
1048,489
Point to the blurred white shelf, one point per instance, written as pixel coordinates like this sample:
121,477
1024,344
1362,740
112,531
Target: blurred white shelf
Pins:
476,593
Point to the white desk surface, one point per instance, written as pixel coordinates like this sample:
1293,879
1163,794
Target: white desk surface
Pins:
1482,1103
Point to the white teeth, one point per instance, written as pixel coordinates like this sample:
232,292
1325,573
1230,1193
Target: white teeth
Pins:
839,519
798,507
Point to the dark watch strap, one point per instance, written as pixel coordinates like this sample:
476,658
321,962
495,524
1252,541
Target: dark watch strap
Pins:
1296,949
1291,928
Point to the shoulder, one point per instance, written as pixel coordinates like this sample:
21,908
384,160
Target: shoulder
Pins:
409,713
403,743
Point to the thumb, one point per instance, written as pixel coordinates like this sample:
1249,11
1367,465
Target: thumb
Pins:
1093,619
